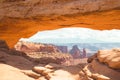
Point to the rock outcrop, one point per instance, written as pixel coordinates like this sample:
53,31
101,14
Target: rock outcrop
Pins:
75,52
36,47
104,65
13,57
16,67
43,53
11,62
84,54
3,45
101,67
8,72
63,49
110,57
32,8
53,71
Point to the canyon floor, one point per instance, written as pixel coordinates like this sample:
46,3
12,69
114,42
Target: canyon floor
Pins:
17,65
12,29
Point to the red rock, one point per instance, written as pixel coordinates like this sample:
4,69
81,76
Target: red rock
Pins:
75,52
34,47
110,57
63,49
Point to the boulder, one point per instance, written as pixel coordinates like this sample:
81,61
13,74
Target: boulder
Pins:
31,74
104,65
58,72
110,57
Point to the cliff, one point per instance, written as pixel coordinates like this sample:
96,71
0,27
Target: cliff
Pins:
101,66
43,53
63,49
35,47
75,52
104,65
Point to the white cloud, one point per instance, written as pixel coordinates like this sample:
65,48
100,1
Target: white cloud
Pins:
75,35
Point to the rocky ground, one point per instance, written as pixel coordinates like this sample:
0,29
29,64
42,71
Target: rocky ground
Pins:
105,65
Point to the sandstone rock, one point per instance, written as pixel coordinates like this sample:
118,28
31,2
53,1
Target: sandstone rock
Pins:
76,53
100,71
14,60
34,47
110,57
42,70
104,65
62,75
3,45
30,8
91,58
59,72
31,74
53,66
10,73
26,69
43,53
100,77
41,78
84,53
63,49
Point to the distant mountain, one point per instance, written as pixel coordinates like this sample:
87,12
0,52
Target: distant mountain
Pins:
75,35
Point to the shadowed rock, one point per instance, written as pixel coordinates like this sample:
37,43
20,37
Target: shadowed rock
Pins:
104,65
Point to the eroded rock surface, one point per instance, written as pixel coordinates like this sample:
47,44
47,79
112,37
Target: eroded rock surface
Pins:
8,72
53,71
16,67
30,8
104,65
36,47
43,53
110,57
75,52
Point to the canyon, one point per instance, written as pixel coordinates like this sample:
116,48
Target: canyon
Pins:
22,60
15,65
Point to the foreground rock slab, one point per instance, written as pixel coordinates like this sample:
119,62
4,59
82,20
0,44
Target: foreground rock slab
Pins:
53,71
110,57
11,73
105,65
